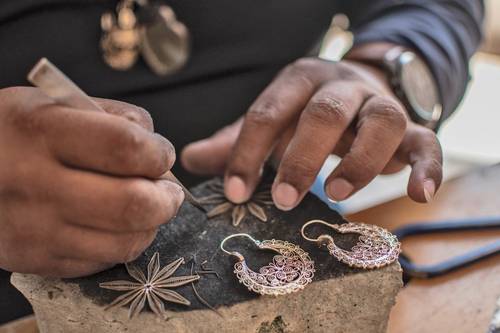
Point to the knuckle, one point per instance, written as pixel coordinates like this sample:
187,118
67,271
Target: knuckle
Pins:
390,114
17,104
141,116
263,114
26,110
7,95
23,121
327,109
133,139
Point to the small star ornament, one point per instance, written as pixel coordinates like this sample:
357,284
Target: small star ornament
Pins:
255,206
153,288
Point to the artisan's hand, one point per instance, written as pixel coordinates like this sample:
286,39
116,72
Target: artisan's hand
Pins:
77,193
312,109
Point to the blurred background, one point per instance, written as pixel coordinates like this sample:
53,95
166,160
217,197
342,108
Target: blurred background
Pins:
470,138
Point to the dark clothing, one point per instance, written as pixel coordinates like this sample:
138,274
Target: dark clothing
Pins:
445,33
237,48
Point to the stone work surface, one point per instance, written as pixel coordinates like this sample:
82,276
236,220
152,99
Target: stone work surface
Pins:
340,299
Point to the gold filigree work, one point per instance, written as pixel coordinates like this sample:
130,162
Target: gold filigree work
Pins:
154,288
289,272
376,247
254,207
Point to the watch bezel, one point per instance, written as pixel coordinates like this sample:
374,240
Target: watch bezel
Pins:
419,114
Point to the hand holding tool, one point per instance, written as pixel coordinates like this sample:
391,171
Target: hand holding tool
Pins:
55,84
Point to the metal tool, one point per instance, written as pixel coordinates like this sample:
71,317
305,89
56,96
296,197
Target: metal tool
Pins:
55,84
412,270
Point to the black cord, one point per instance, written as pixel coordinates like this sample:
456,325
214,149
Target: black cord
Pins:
412,270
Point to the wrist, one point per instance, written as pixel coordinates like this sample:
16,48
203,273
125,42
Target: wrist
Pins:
408,77
372,53
376,76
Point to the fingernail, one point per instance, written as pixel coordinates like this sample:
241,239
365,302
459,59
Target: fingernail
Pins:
429,189
182,194
339,189
170,185
235,189
285,196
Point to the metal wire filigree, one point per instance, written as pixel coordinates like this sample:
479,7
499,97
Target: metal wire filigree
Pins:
376,247
255,206
289,272
154,288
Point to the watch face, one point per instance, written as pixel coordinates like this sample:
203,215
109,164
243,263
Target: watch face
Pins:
419,87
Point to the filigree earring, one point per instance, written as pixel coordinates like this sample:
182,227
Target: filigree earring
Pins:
289,272
375,248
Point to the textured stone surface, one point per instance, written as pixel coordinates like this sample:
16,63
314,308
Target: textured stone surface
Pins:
340,299
352,303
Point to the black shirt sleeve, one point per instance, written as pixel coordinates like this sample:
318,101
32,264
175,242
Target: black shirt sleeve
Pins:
446,33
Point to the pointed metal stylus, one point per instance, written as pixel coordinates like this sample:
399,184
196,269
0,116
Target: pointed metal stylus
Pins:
55,84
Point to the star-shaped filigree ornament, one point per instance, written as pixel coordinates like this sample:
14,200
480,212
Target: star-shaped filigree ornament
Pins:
154,288
254,206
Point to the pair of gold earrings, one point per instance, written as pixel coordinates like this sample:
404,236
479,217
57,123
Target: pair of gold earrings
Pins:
292,269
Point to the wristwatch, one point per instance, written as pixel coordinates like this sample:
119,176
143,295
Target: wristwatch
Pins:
410,78
414,85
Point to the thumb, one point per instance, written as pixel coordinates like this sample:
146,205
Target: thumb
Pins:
209,156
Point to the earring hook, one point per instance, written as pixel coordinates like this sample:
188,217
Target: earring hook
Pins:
320,238
234,253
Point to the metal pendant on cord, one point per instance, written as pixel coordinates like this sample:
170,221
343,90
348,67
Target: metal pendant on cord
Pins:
142,28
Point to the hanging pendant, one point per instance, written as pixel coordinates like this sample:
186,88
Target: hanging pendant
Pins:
289,272
376,247
164,41
120,41
141,28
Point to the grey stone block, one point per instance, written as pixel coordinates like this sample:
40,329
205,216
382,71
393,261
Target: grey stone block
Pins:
340,299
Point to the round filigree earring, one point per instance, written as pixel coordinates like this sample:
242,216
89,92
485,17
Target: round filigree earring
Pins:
289,272
375,248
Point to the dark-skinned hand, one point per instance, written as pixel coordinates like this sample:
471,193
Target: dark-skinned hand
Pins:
78,189
314,108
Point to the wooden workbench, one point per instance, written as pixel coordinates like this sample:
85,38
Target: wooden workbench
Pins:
461,302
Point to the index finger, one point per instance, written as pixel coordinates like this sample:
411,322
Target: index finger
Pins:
105,143
268,117
128,111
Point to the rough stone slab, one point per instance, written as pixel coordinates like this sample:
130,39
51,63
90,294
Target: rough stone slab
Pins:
340,299
352,303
